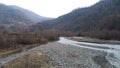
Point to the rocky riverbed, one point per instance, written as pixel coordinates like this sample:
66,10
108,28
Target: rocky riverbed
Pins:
64,55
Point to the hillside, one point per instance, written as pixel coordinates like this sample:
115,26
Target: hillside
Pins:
17,18
33,16
8,14
99,20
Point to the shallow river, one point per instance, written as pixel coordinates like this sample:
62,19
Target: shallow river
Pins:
113,51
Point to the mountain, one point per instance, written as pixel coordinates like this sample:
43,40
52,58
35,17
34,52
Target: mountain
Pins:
15,18
99,20
33,16
9,15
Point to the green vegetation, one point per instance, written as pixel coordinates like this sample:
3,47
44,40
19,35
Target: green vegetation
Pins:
34,60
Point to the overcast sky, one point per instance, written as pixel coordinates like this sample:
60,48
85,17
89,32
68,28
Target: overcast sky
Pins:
50,8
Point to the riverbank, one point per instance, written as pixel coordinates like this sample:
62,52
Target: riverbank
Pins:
33,60
13,42
93,40
66,53
6,52
68,56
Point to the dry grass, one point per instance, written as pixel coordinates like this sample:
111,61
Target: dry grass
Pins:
12,42
93,40
86,39
4,53
34,60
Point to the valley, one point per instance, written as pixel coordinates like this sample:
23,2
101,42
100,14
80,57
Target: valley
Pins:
86,37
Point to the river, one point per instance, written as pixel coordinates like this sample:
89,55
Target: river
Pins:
113,51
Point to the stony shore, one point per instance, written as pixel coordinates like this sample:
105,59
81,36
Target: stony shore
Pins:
67,56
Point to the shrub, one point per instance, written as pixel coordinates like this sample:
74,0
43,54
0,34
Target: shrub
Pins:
16,39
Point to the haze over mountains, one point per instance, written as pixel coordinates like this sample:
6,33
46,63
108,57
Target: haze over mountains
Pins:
33,16
14,17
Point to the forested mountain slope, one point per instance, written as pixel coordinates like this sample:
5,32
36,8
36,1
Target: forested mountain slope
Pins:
17,18
102,18
33,16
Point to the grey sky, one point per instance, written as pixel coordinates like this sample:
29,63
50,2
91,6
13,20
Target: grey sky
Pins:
50,8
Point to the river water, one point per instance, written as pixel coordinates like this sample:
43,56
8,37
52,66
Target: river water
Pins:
113,51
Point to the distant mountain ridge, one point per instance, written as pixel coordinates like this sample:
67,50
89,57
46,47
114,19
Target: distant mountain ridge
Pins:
33,16
8,15
13,17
